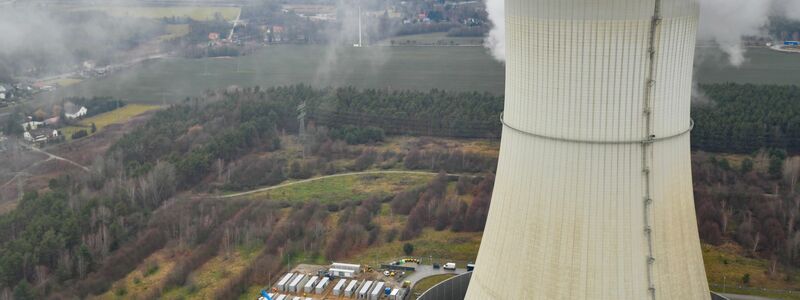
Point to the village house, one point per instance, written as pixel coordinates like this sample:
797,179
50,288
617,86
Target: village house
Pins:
72,112
41,135
5,92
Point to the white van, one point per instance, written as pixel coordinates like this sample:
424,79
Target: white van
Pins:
449,266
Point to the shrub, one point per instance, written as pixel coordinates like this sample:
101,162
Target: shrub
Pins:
79,134
408,248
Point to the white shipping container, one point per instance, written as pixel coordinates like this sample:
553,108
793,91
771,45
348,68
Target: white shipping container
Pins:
363,293
377,291
296,282
284,282
309,286
351,288
337,289
322,285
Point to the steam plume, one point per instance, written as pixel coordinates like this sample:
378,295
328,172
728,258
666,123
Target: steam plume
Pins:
722,21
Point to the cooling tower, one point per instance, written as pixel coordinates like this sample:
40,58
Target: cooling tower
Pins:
593,194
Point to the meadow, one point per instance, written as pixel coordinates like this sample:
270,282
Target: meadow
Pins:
199,13
400,67
117,116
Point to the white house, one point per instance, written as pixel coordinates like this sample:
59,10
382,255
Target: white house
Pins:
76,114
32,125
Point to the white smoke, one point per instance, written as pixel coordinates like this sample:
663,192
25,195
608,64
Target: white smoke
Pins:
722,21
496,40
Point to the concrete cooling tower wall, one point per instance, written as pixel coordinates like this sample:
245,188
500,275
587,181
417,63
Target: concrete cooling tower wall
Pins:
593,194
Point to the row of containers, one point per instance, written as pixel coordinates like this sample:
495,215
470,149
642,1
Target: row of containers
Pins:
346,286
285,297
367,289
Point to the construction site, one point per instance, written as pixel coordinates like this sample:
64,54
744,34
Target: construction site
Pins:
341,281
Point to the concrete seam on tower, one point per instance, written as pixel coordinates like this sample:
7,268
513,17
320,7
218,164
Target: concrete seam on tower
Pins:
648,99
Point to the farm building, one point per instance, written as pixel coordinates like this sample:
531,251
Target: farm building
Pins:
71,112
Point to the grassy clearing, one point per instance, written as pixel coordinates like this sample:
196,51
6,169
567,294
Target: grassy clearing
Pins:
62,82
148,276
459,247
117,116
337,189
214,273
175,31
435,38
428,282
727,265
199,13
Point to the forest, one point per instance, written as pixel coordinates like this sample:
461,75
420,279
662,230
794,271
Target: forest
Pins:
81,234
743,118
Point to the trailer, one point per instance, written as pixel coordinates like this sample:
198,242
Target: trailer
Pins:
377,291
337,289
397,294
281,286
309,287
344,270
322,285
343,273
352,267
297,283
363,293
351,288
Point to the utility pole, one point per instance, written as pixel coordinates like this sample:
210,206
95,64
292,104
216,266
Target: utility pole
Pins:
301,117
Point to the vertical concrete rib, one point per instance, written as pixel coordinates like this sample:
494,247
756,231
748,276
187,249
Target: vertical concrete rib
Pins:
593,190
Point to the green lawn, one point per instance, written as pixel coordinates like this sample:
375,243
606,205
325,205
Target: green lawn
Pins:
427,283
337,189
117,116
398,68
443,246
726,265
199,13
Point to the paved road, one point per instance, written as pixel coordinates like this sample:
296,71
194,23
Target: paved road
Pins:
331,176
744,297
427,271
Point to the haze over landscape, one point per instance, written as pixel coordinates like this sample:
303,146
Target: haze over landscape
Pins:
203,149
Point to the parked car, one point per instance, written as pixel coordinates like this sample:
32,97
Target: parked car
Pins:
436,265
470,267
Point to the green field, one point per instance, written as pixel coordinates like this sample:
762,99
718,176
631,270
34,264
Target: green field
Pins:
337,189
436,38
117,116
763,66
726,266
199,13
427,283
420,68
